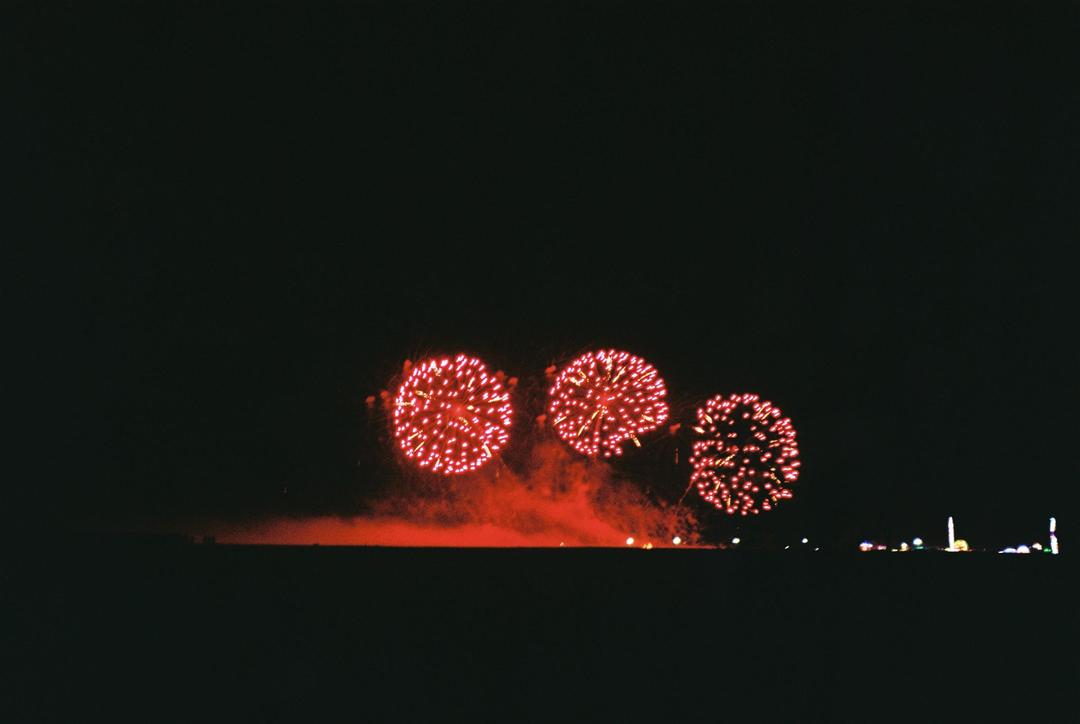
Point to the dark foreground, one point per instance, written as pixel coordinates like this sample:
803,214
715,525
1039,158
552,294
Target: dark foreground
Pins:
206,633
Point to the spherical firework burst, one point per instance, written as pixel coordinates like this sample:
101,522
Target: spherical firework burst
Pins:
745,455
450,415
602,399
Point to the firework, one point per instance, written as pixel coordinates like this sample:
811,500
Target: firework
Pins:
450,415
745,454
603,399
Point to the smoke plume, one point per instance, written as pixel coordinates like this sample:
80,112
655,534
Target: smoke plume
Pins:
557,498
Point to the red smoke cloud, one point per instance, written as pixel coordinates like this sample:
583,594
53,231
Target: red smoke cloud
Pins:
562,499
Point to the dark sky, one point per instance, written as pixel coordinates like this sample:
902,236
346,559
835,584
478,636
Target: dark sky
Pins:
255,212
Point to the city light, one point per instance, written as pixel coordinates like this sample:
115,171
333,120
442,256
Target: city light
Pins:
959,545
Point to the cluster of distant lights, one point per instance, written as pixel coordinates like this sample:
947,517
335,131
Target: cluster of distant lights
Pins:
956,545
677,540
959,545
451,415
603,399
745,456
916,544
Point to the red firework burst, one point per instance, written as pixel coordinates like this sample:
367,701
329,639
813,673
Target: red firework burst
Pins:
746,456
602,399
450,415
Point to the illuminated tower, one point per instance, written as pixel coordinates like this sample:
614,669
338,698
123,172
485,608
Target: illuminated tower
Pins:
1053,536
952,535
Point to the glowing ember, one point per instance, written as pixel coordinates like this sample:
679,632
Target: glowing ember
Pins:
746,454
450,415
602,399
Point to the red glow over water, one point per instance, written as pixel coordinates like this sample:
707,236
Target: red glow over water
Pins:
561,500
367,532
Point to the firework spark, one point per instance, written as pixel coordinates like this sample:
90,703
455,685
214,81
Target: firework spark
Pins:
603,399
745,454
450,415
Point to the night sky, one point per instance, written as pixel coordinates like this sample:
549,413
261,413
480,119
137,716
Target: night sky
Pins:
256,212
